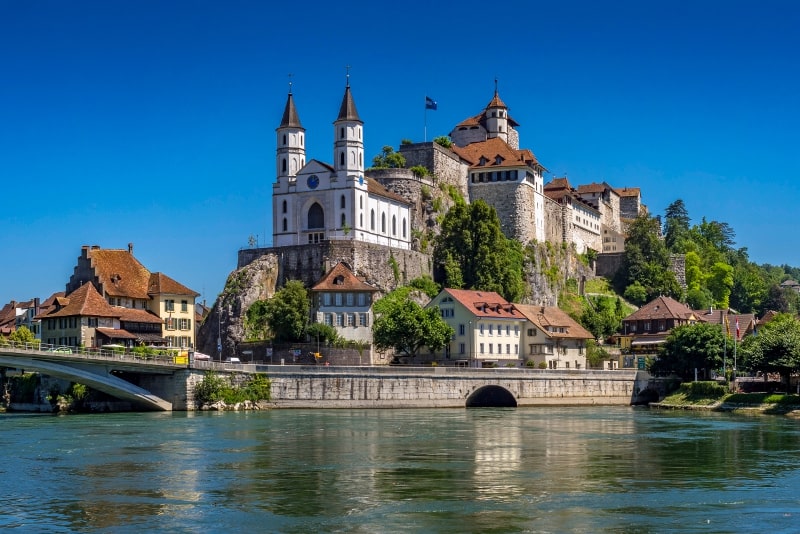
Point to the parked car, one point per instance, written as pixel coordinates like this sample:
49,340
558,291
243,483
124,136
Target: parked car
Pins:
233,360
60,350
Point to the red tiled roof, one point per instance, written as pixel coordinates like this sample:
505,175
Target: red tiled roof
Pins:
593,187
546,317
84,301
160,284
661,308
491,149
375,188
341,278
120,273
628,191
131,315
484,303
116,333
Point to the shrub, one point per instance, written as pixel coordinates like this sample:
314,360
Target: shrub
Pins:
530,363
542,365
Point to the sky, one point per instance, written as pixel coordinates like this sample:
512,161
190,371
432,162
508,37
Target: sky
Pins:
153,122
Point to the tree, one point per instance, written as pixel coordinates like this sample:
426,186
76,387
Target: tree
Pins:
388,159
471,252
324,333
775,349
647,261
287,312
406,327
602,317
695,346
443,140
720,283
676,225
23,335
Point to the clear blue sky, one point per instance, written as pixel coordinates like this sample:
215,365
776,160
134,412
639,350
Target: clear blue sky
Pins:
153,122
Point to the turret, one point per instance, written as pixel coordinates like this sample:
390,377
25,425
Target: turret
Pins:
348,146
291,153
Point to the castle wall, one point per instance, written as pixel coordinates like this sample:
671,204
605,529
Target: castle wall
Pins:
629,206
555,216
442,162
515,204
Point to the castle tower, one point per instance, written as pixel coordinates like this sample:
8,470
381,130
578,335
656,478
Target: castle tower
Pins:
348,146
291,153
496,116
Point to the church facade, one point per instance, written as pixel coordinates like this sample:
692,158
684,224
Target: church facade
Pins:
315,202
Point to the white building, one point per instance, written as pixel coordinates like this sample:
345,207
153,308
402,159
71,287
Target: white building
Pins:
315,201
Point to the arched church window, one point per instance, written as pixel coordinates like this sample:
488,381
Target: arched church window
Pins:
360,159
301,139
383,223
404,227
316,216
283,165
284,139
361,202
342,203
344,220
341,133
284,207
285,224
372,220
394,225
341,158
361,220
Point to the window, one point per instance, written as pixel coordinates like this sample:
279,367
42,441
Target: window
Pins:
516,330
491,329
284,207
169,305
508,330
338,299
362,299
372,220
326,299
339,319
491,348
404,227
184,305
170,323
344,220
394,225
283,165
481,330
349,299
341,159
508,348
383,223
342,202
361,202
362,319
285,225
461,329
316,216
329,319
462,348
480,348
185,324
92,321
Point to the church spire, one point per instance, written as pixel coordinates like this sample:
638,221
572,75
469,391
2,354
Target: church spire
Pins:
291,153
348,147
290,117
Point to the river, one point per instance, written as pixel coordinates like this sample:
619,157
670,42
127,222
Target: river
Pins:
550,469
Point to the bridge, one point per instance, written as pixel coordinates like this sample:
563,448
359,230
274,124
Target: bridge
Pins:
165,383
95,368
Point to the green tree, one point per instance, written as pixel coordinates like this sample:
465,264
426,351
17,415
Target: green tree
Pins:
720,283
602,316
775,349
23,335
471,252
696,346
406,327
256,325
426,285
325,333
388,159
647,261
287,312
676,225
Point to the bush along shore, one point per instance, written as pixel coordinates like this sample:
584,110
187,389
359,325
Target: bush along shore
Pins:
245,392
713,396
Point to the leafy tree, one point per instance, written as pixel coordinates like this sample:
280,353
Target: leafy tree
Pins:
695,346
443,140
426,285
720,283
325,333
388,159
287,312
256,326
749,287
472,252
775,349
595,353
778,299
406,327
23,335
602,317
647,261
636,293
676,225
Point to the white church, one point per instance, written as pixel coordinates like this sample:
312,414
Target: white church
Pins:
315,201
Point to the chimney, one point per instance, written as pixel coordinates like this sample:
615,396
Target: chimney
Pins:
130,248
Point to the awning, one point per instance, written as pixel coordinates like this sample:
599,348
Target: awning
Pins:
649,341
115,333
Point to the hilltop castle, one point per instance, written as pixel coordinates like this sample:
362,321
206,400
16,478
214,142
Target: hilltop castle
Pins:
323,213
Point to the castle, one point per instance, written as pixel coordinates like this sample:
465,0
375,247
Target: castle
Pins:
316,203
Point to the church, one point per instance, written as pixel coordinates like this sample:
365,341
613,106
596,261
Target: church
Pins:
314,201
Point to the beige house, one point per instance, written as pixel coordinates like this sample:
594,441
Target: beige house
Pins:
344,301
123,282
552,339
487,328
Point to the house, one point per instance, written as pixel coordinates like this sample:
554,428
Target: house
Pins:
122,281
737,325
580,219
85,319
487,328
553,339
648,327
344,301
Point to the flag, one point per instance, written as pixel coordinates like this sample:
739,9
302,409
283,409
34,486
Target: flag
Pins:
727,326
737,328
430,103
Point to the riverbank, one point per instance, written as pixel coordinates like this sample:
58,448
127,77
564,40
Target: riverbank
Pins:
704,398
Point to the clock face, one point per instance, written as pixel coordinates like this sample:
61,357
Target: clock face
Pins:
360,180
313,181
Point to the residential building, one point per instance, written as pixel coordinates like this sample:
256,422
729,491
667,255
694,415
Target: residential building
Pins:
553,338
580,219
487,328
648,327
342,300
735,325
122,281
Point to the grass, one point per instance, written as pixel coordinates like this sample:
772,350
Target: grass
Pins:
710,394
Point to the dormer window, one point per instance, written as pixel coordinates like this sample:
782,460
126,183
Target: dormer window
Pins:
498,160
482,161
339,280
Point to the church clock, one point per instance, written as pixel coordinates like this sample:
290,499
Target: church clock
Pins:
313,181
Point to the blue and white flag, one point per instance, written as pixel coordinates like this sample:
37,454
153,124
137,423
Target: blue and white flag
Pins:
430,103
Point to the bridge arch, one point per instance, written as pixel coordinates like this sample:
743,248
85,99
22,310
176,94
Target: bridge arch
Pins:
491,397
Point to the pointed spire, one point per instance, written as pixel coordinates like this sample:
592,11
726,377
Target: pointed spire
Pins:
496,102
290,117
348,111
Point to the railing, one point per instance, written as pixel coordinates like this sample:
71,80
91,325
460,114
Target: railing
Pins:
83,353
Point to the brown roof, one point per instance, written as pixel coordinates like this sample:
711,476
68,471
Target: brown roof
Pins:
120,273
131,315
160,283
593,187
484,303
557,184
747,321
375,188
491,149
552,316
341,278
84,301
628,191
117,333
661,308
